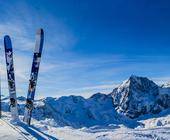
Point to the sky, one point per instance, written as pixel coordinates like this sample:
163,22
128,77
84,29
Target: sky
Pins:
90,45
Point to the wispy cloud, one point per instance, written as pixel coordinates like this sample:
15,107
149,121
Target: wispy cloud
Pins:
87,91
21,24
22,21
96,88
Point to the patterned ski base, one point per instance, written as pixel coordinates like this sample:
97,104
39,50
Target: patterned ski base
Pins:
11,77
34,76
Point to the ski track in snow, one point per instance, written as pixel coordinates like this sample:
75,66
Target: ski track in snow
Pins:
25,131
42,132
8,133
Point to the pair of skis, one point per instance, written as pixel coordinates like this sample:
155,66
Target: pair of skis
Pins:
32,81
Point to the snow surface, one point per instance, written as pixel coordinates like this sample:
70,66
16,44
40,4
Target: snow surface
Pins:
7,132
153,128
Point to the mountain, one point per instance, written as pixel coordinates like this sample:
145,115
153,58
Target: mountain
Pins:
134,97
77,111
138,96
164,97
166,85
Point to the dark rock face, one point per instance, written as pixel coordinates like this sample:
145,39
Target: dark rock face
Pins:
139,95
164,97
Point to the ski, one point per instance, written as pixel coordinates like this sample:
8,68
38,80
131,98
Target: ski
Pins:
11,78
34,75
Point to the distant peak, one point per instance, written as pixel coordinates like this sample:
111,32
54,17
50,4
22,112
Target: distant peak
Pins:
135,77
134,80
97,95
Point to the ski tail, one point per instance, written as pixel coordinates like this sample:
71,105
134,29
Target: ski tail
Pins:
34,76
11,78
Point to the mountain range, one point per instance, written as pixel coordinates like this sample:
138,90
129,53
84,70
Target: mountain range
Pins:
134,97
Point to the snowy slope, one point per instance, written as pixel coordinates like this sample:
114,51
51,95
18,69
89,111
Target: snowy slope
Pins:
155,127
7,132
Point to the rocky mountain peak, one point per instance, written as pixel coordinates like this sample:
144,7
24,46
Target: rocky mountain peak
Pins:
136,96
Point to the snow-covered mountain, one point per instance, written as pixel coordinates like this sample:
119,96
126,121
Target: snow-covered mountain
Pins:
138,96
133,98
166,85
138,108
75,111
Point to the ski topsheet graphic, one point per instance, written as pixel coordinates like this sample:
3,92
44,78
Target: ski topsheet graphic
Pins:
11,78
34,76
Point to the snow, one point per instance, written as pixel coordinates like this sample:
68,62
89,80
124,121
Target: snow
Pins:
157,127
7,133
100,117
166,85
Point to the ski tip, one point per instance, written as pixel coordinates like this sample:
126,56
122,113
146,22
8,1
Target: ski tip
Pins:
7,41
40,31
6,38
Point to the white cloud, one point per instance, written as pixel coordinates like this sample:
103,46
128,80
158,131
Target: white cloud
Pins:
88,91
21,21
18,34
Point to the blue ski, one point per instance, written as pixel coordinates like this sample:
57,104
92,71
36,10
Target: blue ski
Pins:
11,78
34,76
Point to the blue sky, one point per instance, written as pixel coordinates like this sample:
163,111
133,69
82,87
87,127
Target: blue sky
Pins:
90,46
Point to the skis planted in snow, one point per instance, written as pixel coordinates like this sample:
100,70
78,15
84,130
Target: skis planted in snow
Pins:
11,78
34,75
